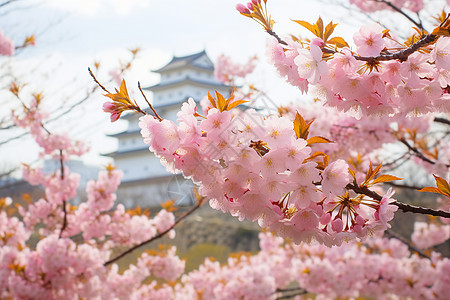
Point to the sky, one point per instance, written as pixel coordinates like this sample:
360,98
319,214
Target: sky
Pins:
72,34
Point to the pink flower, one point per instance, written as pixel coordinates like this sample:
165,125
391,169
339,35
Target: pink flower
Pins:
6,45
110,107
441,53
310,64
386,211
242,8
369,40
335,178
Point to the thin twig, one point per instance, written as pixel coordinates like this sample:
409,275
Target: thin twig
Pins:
418,153
7,2
411,248
96,81
397,9
158,236
151,106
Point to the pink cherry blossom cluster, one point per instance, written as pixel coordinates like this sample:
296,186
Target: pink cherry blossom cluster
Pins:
59,251
382,269
414,86
227,71
261,171
427,235
371,6
51,144
6,45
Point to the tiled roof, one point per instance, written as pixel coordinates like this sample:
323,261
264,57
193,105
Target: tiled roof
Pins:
186,79
181,61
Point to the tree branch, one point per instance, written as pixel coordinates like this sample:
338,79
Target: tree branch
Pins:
7,2
158,236
395,8
401,55
272,33
421,210
418,153
402,206
441,120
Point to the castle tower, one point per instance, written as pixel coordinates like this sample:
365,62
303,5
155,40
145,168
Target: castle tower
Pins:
146,182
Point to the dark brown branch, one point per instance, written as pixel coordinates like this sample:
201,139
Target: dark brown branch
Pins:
363,191
64,225
402,206
401,55
421,210
442,120
158,236
411,248
272,33
416,152
397,9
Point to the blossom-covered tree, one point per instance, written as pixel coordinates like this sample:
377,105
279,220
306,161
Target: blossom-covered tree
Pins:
312,176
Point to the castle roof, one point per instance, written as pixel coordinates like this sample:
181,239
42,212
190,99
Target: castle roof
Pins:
186,80
198,60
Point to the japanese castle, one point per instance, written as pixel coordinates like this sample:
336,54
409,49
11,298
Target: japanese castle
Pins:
146,182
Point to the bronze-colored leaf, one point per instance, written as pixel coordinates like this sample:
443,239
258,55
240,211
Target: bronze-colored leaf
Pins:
442,185
235,103
318,140
385,178
309,26
328,31
338,42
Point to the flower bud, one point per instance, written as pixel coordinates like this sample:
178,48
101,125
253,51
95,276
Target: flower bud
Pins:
242,9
